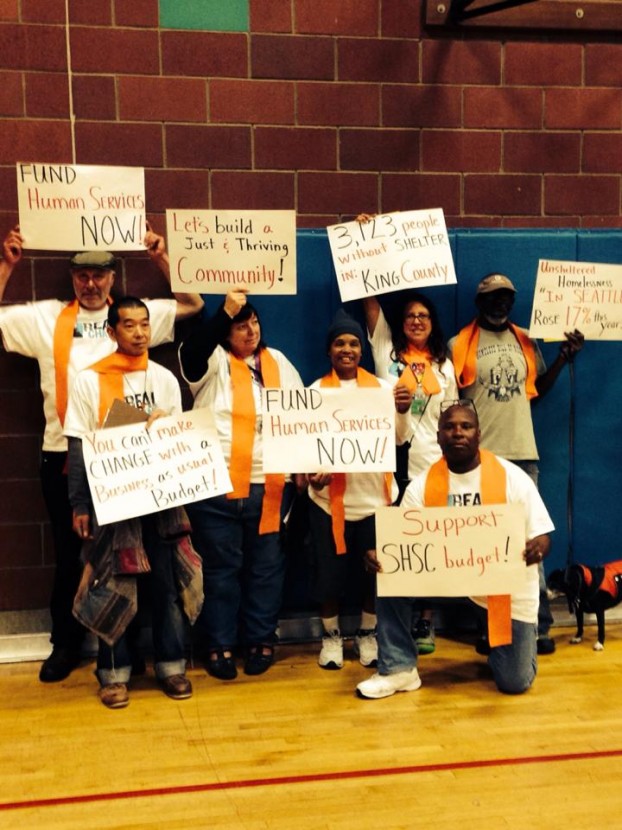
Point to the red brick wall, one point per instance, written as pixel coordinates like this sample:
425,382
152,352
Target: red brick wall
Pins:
325,107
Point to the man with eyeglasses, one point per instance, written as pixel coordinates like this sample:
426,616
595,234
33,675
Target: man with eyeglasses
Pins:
65,337
502,370
468,474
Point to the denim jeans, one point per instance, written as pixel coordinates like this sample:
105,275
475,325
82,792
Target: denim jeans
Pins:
159,589
513,667
243,572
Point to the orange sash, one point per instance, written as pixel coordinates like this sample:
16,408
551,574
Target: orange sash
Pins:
429,381
493,491
464,356
63,341
111,371
337,486
243,438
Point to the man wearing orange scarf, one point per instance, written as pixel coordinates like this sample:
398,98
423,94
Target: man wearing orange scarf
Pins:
65,337
128,375
467,475
501,369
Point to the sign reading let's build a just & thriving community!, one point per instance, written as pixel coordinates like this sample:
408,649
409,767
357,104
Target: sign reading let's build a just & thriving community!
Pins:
390,252
80,207
450,551
215,251
577,295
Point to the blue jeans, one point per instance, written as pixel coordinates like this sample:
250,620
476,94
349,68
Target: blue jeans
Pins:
513,667
158,589
243,572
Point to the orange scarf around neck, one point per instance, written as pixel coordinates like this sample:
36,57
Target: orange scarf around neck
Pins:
428,380
464,356
493,491
111,371
337,486
243,437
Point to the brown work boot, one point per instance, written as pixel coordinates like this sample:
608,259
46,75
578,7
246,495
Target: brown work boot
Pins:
176,686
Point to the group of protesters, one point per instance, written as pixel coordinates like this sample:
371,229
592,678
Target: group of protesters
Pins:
463,421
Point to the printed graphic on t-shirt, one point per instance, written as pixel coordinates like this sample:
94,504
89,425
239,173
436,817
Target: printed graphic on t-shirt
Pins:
502,371
463,499
90,330
142,400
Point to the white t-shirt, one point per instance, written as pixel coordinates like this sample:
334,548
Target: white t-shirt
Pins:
424,448
157,385
364,491
464,489
214,391
28,329
499,395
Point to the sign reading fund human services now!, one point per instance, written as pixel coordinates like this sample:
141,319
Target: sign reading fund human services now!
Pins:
450,551
391,252
577,295
80,207
215,251
133,471
346,430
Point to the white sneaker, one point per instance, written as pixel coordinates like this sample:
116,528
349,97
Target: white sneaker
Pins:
366,646
385,685
331,655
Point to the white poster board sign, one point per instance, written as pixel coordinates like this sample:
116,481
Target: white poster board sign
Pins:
577,295
349,430
133,471
391,252
213,251
450,551
81,207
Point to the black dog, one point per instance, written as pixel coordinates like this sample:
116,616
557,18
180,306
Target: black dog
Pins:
589,590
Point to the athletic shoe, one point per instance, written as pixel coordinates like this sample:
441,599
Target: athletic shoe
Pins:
331,655
385,685
114,695
366,647
423,634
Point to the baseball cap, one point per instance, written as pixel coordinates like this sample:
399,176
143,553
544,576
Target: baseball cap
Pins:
493,282
93,259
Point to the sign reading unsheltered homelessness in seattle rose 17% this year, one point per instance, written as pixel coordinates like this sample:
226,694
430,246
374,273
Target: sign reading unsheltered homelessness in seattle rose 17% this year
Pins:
80,207
451,551
577,295
216,251
391,252
133,471
328,430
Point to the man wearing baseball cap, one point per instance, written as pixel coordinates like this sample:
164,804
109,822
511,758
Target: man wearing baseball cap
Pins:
65,337
501,369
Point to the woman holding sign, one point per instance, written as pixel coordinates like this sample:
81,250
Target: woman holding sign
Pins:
342,508
226,363
413,350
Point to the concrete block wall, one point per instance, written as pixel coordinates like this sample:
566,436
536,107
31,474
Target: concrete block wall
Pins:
325,107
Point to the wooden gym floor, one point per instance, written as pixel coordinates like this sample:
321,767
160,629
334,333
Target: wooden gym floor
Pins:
295,749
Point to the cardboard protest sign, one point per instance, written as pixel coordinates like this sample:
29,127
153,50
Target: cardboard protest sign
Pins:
133,471
213,251
348,430
391,252
81,207
450,551
577,295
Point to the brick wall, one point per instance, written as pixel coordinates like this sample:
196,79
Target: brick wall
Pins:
325,107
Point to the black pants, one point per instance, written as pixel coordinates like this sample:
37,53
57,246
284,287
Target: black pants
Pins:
66,631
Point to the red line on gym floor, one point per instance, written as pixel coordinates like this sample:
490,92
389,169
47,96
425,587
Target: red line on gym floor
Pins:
311,778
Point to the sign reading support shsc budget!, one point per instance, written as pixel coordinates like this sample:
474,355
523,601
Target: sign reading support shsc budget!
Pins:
451,551
391,252
133,471
216,251
81,207
577,295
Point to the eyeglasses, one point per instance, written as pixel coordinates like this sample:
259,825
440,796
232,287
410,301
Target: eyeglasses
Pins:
421,315
467,403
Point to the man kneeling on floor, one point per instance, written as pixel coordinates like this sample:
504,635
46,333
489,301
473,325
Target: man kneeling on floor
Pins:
127,558
465,469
